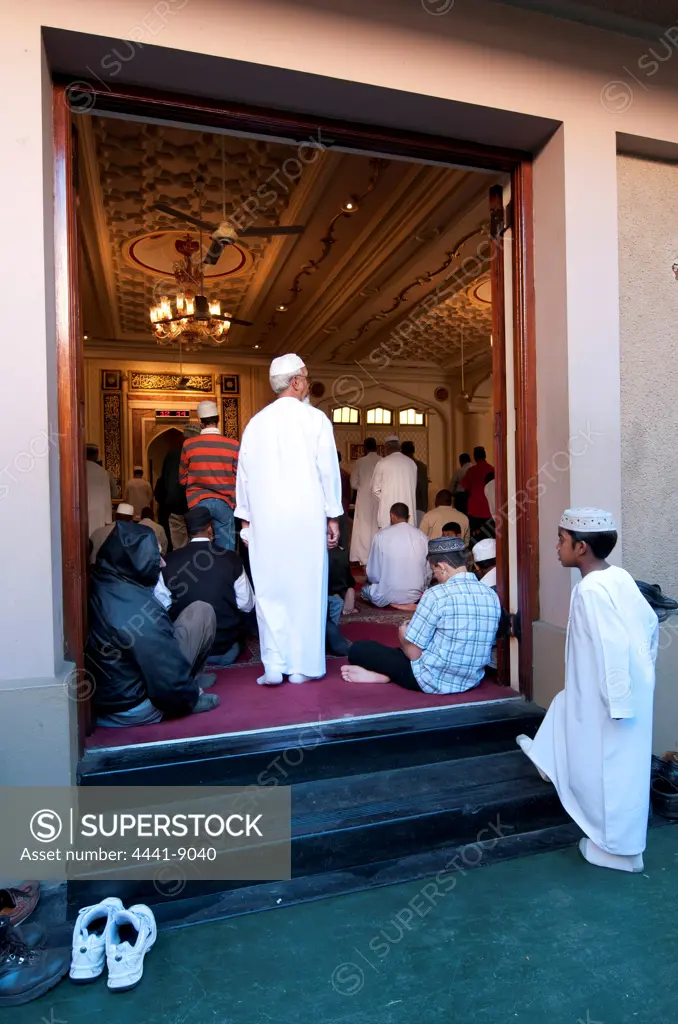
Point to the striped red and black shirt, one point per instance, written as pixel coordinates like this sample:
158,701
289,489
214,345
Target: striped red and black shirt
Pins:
209,463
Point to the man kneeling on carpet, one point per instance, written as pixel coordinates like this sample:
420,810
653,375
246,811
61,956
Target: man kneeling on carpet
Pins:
397,569
141,665
446,645
204,571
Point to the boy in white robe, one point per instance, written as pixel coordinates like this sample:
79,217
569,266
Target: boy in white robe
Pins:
595,743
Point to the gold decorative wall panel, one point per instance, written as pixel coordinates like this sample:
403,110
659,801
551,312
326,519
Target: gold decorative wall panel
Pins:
202,382
113,434
230,418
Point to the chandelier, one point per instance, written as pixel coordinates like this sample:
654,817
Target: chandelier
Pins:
189,314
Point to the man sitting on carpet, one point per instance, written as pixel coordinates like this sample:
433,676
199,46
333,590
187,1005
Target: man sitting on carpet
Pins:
397,569
202,571
143,667
446,645
434,521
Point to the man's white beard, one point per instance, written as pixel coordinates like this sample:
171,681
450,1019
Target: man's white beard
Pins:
307,399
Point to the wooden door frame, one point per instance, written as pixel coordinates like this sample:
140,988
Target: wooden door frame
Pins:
70,406
302,127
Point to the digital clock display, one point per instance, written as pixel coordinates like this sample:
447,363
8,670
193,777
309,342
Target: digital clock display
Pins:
173,414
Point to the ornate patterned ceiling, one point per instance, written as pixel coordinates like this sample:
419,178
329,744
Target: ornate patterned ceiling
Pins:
346,284
143,164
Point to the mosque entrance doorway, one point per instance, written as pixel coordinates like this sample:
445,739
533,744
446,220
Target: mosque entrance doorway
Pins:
408,294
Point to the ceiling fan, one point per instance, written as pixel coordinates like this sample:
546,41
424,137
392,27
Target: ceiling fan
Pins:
225,233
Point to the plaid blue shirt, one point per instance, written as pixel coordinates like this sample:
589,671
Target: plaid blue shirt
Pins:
455,625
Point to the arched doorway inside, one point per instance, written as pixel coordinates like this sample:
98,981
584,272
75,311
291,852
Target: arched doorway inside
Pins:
168,440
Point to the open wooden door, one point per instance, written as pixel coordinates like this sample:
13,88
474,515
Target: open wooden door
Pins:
71,407
500,406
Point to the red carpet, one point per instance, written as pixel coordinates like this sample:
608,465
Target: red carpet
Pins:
246,706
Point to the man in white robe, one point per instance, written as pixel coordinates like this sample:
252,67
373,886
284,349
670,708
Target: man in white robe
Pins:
595,743
366,506
398,568
394,479
99,504
288,494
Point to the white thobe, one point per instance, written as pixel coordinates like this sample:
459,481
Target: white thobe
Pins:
489,494
366,506
394,479
397,568
595,743
99,505
287,486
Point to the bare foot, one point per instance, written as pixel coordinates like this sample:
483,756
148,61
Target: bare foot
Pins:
356,674
349,601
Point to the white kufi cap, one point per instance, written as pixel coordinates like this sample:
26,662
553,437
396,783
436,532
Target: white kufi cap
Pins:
206,410
587,520
392,437
484,550
286,364
124,509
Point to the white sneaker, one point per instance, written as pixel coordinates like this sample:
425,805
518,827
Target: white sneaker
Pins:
130,936
89,939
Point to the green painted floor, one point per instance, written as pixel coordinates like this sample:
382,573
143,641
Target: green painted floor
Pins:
544,939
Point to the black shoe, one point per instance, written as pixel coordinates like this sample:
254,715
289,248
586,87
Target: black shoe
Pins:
27,972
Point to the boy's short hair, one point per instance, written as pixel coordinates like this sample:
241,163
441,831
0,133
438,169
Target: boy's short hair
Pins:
452,528
601,544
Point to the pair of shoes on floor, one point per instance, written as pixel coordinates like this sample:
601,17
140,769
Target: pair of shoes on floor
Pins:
27,970
108,935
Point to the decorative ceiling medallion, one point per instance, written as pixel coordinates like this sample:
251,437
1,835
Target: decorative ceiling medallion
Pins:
481,292
158,252
441,394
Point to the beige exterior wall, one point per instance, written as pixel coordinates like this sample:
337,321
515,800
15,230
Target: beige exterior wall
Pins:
648,247
524,62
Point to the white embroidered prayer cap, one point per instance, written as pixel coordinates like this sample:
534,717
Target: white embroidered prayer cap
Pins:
392,438
289,363
124,509
587,520
206,410
484,550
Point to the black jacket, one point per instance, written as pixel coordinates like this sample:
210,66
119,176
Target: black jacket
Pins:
132,652
201,571
169,492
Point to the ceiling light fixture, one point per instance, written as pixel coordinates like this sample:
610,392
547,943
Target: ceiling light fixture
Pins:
350,206
189,315
281,308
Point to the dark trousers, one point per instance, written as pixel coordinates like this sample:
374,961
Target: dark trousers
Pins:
388,661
